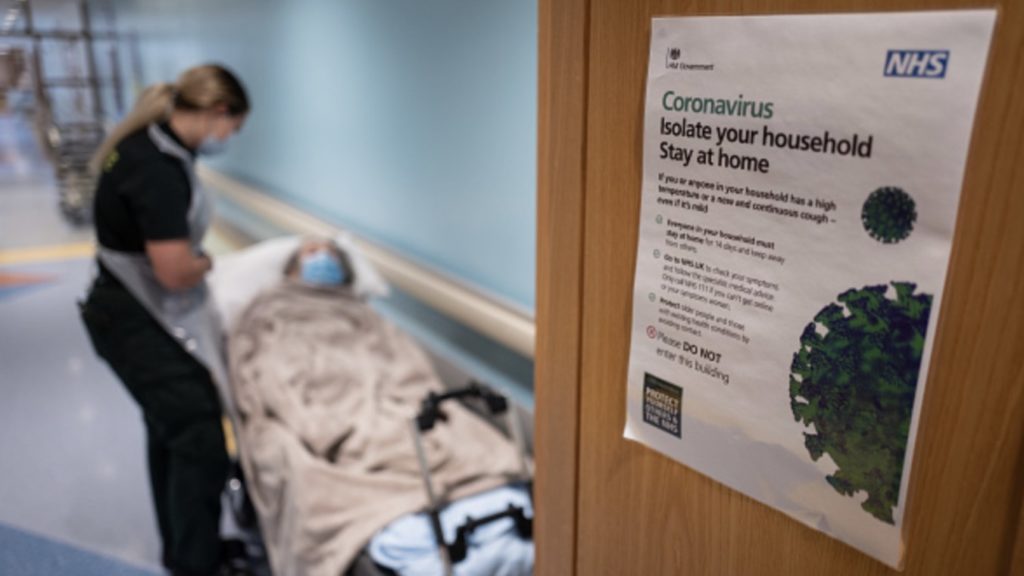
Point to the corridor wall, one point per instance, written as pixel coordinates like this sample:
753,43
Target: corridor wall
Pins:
411,123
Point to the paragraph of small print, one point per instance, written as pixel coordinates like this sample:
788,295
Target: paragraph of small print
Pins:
663,405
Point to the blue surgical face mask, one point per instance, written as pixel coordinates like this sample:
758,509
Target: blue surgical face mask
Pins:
211,146
322,269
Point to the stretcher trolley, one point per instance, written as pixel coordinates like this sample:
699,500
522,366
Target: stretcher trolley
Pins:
249,557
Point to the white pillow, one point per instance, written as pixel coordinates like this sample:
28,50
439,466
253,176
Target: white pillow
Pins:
239,277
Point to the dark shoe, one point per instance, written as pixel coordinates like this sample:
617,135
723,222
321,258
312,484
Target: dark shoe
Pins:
237,561
234,571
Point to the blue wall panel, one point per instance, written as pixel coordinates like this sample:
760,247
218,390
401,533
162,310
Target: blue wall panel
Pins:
412,122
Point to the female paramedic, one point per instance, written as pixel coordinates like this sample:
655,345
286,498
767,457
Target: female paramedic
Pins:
148,313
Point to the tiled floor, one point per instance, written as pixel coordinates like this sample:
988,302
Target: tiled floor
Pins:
28,199
24,554
71,442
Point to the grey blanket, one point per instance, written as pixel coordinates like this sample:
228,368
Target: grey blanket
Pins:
326,390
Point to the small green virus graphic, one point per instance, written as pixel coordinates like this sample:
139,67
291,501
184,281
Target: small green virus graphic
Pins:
889,214
853,380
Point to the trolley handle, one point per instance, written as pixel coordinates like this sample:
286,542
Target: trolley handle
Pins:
459,548
431,412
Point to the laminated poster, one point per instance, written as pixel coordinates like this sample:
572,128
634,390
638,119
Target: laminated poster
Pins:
800,190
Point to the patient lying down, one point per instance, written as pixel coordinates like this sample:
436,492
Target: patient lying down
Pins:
326,389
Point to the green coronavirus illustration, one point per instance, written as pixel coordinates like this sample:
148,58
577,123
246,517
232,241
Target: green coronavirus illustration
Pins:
853,383
889,214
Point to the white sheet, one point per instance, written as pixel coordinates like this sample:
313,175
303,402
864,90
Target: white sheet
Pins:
240,277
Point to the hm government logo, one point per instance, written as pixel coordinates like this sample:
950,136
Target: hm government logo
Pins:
673,61
916,63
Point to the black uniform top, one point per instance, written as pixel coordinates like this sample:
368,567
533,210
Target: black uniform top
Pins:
143,194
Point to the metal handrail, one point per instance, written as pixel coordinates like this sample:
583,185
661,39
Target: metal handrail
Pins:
499,320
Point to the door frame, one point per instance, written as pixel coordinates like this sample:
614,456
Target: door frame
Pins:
561,186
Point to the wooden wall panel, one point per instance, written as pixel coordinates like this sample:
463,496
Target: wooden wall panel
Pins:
640,513
561,144
1017,563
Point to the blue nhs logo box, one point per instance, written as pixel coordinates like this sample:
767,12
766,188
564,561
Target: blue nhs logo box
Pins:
917,63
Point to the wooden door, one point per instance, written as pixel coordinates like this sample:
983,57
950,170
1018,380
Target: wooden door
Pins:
608,506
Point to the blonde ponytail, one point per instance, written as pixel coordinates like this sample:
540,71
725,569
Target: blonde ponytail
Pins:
154,105
200,88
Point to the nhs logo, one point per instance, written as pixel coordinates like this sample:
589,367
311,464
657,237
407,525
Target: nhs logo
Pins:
917,63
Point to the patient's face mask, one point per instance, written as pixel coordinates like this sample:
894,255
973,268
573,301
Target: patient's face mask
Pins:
322,269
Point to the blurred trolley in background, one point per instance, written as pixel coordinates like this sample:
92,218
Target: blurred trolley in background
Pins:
71,146
74,91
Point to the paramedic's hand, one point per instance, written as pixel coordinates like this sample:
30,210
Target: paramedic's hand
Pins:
175,265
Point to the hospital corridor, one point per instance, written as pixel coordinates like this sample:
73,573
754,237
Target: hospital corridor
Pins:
504,288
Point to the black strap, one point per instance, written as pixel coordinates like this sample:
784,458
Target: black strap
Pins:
430,409
459,548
